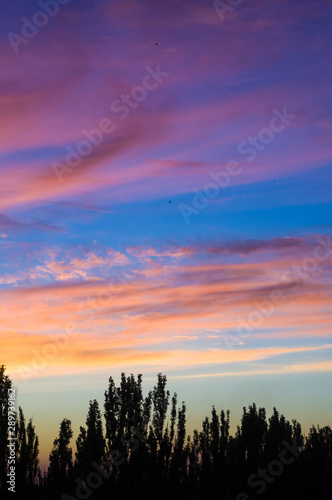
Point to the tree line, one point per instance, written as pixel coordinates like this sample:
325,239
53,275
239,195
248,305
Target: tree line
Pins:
138,447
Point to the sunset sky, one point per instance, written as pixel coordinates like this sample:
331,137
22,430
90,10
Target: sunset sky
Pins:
166,204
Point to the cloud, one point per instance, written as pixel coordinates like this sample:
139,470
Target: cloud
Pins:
257,246
147,304
314,367
168,251
78,267
14,225
219,92
48,107
281,247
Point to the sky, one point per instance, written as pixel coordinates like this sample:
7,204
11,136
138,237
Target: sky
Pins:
165,176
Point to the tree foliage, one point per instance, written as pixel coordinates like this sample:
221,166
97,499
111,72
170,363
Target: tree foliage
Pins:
140,447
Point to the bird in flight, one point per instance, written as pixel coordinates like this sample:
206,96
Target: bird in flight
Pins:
156,43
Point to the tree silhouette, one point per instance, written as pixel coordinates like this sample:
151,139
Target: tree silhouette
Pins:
90,442
60,468
27,454
179,458
147,454
160,398
279,430
318,466
252,434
